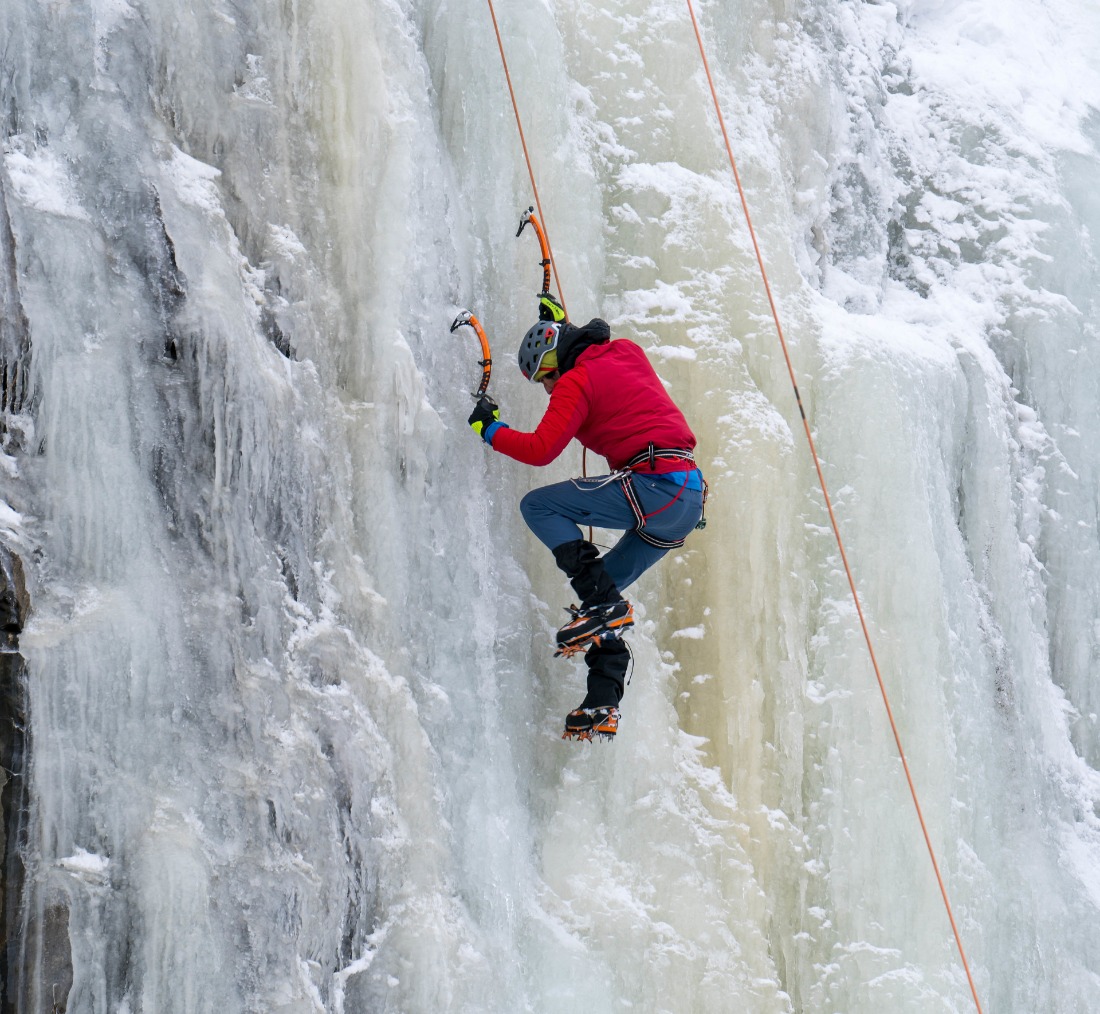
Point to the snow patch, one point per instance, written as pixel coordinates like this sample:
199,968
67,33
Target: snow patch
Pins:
87,866
194,181
42,181
691,633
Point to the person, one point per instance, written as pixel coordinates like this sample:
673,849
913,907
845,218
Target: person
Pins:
605,393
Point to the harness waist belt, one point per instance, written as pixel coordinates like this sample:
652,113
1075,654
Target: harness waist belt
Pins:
652,454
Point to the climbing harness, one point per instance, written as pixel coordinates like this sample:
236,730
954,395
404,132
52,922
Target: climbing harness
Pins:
467,319
625,476
641,517
829,507
649,459
652,454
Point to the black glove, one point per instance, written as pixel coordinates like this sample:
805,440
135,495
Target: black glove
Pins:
550,309
486,412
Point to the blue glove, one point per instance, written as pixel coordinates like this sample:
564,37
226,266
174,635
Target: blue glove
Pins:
485,419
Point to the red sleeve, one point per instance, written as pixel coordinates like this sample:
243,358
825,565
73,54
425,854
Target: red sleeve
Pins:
564,415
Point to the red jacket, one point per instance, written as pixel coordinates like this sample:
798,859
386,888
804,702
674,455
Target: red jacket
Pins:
613,403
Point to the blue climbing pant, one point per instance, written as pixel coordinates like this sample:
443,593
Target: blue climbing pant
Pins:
556,513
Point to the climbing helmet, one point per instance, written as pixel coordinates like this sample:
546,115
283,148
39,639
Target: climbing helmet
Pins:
535,356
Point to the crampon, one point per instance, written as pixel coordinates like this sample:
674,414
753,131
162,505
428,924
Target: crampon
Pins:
594,625
586,723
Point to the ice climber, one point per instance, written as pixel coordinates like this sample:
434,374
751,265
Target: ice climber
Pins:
607,395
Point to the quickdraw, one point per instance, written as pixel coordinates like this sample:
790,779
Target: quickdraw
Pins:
467,319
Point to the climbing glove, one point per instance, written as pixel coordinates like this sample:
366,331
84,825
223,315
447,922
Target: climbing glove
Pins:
550,308
485,419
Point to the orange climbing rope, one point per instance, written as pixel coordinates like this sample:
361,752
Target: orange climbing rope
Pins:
527,156
805,426
544,235
829,506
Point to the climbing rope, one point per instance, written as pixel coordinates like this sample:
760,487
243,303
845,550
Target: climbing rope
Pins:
829,507
805,425
545,233
526,155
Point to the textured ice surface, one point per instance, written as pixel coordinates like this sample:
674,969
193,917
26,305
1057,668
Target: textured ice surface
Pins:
293,710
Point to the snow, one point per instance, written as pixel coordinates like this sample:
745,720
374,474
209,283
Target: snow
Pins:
10,519
693,633
43,182
195,181
86,865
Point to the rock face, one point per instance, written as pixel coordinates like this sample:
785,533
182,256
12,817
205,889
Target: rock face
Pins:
15,959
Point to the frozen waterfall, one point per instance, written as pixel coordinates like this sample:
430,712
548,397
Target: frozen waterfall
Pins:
282,731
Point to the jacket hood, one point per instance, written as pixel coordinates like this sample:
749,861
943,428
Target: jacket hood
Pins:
574,340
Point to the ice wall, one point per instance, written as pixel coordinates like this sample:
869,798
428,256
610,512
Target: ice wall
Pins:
293,715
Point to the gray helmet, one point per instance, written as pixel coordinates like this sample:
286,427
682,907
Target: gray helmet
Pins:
539,340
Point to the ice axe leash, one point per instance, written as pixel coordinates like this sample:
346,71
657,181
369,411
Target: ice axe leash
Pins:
467,319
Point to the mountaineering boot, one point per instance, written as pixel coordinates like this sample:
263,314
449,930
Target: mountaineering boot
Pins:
594,626
584,723
599,713
603,614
